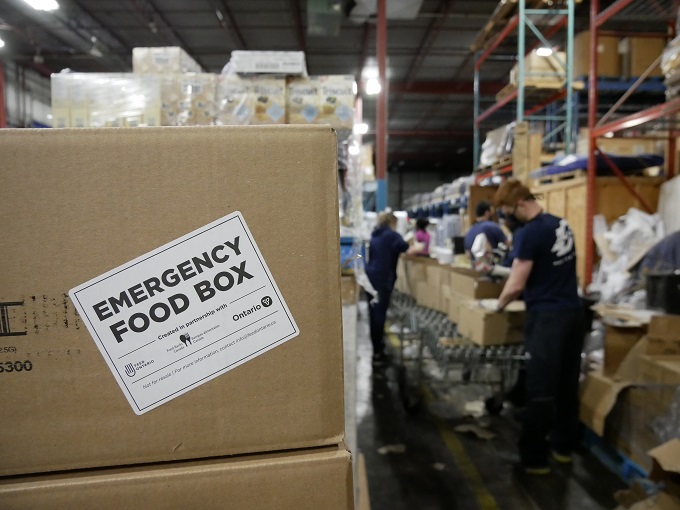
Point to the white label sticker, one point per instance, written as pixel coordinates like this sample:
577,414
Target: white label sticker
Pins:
185,313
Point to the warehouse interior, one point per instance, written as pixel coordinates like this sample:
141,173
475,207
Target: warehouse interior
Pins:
340,253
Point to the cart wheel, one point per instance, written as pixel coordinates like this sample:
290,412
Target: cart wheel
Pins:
411,398
493,406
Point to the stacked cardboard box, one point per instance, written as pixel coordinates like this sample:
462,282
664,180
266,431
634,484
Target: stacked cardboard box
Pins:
163,60
321,100
469,285
118,197
488,327
540,71
639,53
635,407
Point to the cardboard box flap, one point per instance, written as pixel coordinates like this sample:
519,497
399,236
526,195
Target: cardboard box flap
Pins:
629,370
665,327
598,396
667,456
616,315
661,501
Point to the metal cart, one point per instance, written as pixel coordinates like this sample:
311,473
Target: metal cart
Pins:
426,334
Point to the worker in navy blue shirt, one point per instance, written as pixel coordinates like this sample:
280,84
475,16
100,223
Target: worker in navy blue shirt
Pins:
544,268
484,225
381,269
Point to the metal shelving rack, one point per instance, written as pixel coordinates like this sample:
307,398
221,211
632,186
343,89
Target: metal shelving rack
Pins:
600,127
564,117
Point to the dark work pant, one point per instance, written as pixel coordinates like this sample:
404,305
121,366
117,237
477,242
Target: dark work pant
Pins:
554,341
378,315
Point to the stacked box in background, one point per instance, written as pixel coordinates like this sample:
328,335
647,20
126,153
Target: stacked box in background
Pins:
164,60
197,99
234,100
268,99
105,100
120,194
321,100
167,88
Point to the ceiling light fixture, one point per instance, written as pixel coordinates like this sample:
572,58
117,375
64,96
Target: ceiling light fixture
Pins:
361,128
373,87
43,5
544,52
2,43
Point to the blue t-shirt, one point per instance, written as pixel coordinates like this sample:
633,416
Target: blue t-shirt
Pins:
493,233
549,242
383,255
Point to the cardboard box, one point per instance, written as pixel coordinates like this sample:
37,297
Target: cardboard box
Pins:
163,60
641,419
117,195
541,72
321,100
618,341
487,327
269,100
197,105
414,272
234,100
608,62
473,285
664,335
598,394
666,468
638,53
349,290
621,146
275,62
455,303
659,370
310,479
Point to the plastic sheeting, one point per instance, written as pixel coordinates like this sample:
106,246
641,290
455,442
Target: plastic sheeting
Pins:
669,199
632,234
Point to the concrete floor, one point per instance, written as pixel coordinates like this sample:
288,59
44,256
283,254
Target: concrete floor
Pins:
417,461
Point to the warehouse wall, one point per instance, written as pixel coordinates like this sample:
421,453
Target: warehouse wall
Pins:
27,97
404,184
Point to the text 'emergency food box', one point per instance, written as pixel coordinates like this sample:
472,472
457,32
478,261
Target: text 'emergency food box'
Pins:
159,300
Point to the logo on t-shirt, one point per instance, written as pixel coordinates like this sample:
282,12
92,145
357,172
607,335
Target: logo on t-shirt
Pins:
564,240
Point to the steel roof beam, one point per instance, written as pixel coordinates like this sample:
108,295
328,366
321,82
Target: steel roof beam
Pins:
425,133
299,25
423,50
445,87
233,29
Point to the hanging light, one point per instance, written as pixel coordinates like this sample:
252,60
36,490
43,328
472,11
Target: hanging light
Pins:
544,51
360,129
373,87
43,5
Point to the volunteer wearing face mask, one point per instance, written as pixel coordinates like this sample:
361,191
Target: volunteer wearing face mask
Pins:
544,268
381,269
484,225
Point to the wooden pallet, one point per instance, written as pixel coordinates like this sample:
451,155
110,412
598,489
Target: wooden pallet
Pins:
502,162
566,176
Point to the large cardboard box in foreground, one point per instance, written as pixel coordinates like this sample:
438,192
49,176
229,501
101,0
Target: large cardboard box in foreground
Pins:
78,203
487,327
303,480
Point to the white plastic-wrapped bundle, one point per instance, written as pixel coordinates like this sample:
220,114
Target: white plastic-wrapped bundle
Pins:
164,60
197,103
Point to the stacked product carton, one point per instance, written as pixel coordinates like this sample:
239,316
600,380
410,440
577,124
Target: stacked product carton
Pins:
162,345
167,88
